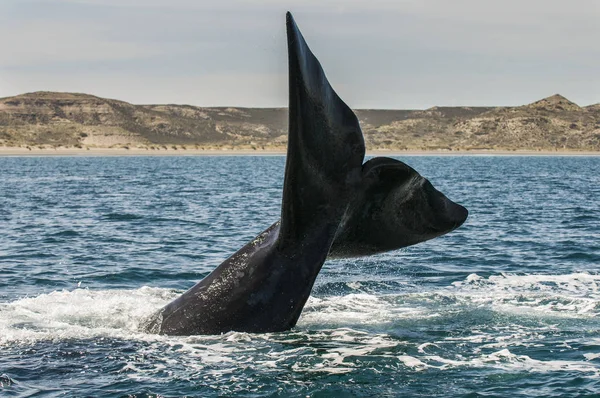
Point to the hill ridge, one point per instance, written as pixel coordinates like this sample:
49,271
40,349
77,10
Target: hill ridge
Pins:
51,119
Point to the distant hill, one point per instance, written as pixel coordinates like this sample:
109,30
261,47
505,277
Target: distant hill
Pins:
49,119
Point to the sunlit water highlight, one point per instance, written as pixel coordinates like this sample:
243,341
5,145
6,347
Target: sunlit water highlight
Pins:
507,305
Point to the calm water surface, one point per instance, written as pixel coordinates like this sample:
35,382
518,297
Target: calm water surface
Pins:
508,305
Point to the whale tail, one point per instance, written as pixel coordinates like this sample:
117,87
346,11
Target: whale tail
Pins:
329,198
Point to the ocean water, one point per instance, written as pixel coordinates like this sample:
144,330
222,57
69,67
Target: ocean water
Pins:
507,305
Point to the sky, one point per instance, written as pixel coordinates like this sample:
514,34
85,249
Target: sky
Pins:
394,54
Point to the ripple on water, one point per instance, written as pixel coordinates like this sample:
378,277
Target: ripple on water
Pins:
506,305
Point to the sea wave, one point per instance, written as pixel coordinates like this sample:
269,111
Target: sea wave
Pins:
336,335
79,313
569,294
119,313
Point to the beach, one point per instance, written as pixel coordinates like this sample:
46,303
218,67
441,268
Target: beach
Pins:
180,151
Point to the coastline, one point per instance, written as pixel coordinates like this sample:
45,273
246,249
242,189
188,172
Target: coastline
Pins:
85,152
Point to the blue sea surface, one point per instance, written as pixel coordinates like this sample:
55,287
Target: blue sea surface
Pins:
507,305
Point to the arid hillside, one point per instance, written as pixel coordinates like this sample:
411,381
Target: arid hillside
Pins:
49,119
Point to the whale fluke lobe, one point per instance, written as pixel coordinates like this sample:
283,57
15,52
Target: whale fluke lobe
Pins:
332,205
325,144
394,207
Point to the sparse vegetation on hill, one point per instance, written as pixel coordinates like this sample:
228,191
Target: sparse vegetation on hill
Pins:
48,119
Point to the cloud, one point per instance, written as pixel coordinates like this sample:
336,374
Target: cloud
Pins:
42,43
404,53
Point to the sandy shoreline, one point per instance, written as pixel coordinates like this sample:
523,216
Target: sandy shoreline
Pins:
18,151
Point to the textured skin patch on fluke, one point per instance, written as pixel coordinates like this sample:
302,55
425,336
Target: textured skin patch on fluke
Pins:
332,205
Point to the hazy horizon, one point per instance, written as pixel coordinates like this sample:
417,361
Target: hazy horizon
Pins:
380,54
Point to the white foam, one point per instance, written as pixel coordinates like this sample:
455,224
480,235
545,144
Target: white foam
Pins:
89,313
506,360
118,313
503,360
80,313
579,283
359,309
330,323
412,362
568,294
100,314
